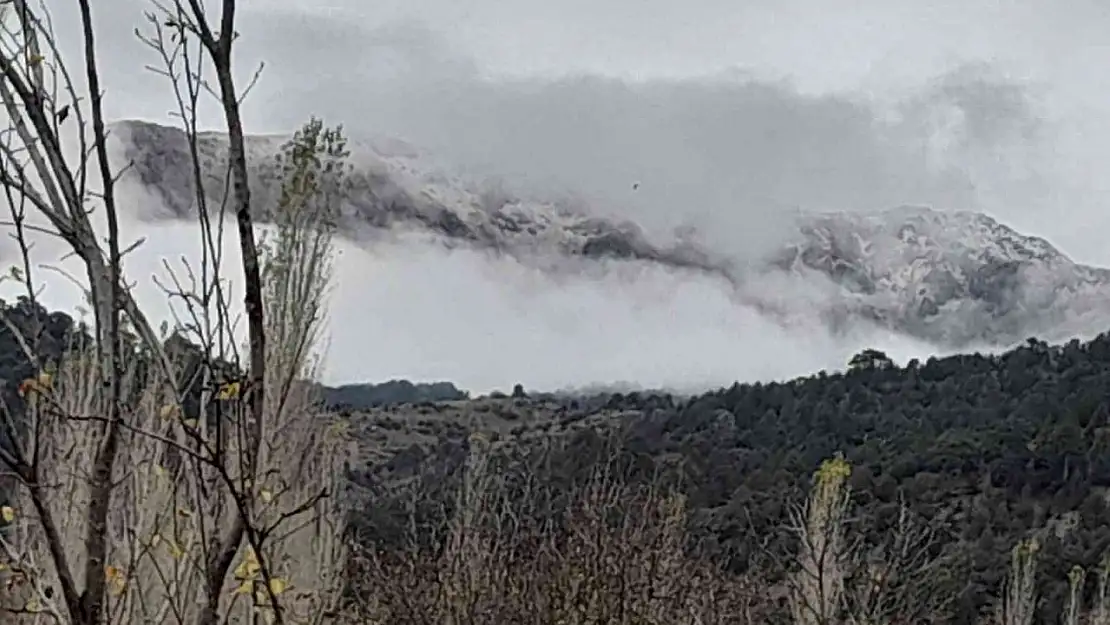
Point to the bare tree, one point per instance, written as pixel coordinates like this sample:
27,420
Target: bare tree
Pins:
905,577
1100,611
823,558
147,464
188,22
1077,578
837,573
1019,601
617,553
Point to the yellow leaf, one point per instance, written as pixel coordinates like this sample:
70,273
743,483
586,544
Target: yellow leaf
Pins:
249,567
278,585
116,579
244,588
175,551
266,495
168,411
247,570
33,606
228,391
35,59
46,380
8,513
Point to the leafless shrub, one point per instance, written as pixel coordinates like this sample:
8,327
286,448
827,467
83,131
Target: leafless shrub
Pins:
903,577
156,484
1019,603
817,588
618,554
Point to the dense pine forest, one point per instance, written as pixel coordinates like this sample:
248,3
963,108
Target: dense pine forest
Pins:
965,457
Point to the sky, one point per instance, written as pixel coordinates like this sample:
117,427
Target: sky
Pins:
728,115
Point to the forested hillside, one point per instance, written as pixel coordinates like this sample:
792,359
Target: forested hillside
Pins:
362,396
982,452
51,332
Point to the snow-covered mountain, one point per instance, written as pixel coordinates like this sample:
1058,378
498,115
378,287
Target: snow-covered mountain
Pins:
956,279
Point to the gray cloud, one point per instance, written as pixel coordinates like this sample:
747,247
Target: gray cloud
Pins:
786,104
728,116
728,153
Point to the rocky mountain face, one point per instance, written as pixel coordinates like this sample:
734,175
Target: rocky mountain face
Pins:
956,279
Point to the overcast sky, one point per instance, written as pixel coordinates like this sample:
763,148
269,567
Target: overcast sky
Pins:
831,44
499,83
728,113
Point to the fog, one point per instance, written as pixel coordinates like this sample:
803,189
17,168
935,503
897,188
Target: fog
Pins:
722,118
406,307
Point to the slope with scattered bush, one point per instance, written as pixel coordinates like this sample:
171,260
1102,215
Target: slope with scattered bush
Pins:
984,451
980,452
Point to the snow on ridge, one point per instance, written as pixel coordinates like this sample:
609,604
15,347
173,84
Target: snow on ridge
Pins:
955,278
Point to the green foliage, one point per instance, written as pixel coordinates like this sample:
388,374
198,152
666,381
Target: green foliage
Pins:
990,450
870,359
364,396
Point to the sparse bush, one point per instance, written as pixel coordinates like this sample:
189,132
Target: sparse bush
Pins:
153,484
616,555
612,550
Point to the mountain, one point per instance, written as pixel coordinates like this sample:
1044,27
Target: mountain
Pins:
955,279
